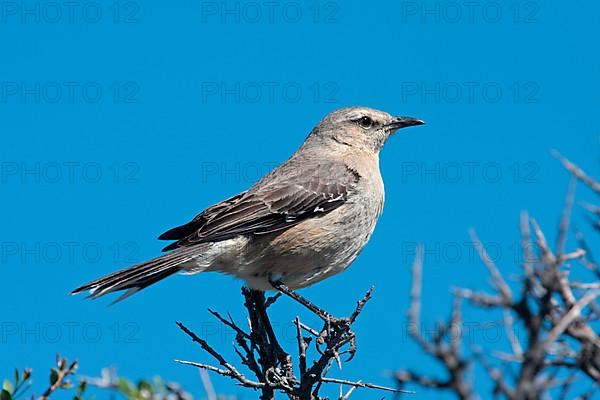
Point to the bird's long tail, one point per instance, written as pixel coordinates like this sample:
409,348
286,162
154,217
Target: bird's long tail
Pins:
139,276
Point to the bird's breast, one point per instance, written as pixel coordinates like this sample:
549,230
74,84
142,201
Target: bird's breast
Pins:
315,248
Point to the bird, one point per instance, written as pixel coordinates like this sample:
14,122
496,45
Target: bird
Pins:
306,220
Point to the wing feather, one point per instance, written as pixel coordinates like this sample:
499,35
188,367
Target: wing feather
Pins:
274,204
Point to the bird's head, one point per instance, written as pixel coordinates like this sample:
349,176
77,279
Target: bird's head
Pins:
361,127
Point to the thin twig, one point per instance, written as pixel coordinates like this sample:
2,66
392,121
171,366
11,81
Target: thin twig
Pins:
365,385
497,279
570,316
576,171
225,372
62,372
232,371
324,315
563,229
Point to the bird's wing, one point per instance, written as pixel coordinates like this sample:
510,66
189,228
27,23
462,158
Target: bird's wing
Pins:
199,220
279,202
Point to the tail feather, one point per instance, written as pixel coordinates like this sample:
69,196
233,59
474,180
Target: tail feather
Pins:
140,276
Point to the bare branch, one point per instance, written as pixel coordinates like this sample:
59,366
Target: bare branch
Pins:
448,354
577,172
230,370
563,229
365,385
225,372
63,370
497,279
569,317
260,351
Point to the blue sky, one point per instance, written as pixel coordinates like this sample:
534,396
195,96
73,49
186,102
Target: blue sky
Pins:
121,121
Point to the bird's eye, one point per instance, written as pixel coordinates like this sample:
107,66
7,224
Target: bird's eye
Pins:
366,123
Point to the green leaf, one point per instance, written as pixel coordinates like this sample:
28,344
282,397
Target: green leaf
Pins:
5,395
26,374
126,388
81,388
16,377
6,385
145,385
67,385
53,376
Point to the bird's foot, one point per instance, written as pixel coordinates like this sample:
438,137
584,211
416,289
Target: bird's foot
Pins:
281,287
334,328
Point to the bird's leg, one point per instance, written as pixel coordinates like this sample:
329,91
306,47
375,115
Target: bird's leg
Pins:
341,325
336,332
324,315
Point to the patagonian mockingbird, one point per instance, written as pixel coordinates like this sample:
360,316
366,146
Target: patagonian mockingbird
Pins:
305,221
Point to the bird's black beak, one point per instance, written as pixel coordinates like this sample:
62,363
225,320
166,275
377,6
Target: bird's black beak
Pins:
403,122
